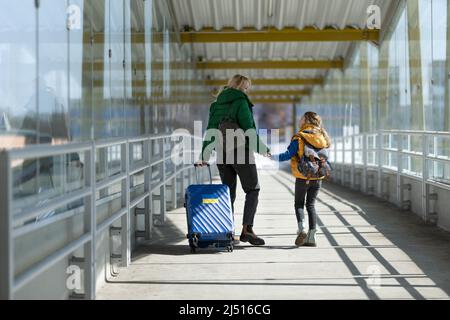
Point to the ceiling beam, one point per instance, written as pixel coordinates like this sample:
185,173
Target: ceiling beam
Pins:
230,34
279,93
289,34
270,64
267,64
275,100
274,82
142,83
223,82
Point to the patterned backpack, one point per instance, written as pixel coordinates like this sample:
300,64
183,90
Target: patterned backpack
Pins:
314,162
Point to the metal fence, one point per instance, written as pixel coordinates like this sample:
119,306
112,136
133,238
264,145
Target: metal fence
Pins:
104,164
420,155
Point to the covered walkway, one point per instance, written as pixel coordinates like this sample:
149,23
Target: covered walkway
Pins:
104,106
367,249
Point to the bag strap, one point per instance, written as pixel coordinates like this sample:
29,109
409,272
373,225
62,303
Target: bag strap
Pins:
299,135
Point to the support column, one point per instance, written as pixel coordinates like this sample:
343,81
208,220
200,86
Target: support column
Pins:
148,188
90,225
365,85
383,85
447,85
415,66
125,201
294,117
417,103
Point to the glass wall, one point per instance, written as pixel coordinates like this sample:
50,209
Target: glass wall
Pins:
339,101
407,75
18,73
403,83
78,70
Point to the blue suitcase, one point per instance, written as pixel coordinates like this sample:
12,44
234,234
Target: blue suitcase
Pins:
209,213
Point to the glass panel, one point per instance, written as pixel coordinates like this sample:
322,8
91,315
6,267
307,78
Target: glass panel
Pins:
18,70
372,158
412,165
359,157
115,26
399,95
439,171
373,57
439,19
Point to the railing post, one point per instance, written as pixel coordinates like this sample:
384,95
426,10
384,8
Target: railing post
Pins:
343,161
435,154
162,190
399,170
6,240
191,170
147,189
126,245
364,158
182,184
379,137
424,177
174,181
90,225
352,169
188,176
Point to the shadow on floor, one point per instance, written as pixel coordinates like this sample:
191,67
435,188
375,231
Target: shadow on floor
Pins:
426,246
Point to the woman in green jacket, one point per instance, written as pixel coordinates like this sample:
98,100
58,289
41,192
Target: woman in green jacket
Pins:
232,104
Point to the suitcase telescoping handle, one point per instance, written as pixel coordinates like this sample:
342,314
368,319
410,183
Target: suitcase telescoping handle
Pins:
196,165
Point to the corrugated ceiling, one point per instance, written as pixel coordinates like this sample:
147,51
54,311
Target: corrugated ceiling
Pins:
278,14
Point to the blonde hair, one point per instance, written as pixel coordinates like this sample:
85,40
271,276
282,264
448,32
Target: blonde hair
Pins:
315,120
236,82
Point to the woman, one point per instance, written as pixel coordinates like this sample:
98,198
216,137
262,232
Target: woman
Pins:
233,104
312,133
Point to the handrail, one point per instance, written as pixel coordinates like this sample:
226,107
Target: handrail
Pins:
14,219
380,145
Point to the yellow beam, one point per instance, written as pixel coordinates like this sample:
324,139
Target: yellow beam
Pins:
254,94
223,82
229,34
142,83
268,64
274,100
280,82
209,35
279,93
175,94
98,66
290,64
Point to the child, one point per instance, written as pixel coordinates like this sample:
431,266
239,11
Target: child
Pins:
309,165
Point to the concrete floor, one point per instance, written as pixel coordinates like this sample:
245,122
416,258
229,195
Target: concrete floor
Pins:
367,249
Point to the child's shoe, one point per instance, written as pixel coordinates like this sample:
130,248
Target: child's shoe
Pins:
300,240
311,238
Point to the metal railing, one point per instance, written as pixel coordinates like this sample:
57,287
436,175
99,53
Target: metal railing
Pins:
153,155
420,155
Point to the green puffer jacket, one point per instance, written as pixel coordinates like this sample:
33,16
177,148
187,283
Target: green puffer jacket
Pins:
241,111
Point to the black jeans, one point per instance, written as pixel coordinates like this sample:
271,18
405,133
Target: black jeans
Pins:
310,190
248,176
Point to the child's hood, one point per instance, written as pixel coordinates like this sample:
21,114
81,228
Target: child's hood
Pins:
314,136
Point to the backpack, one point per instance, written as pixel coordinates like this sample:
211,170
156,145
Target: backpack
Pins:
314,162
229,123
